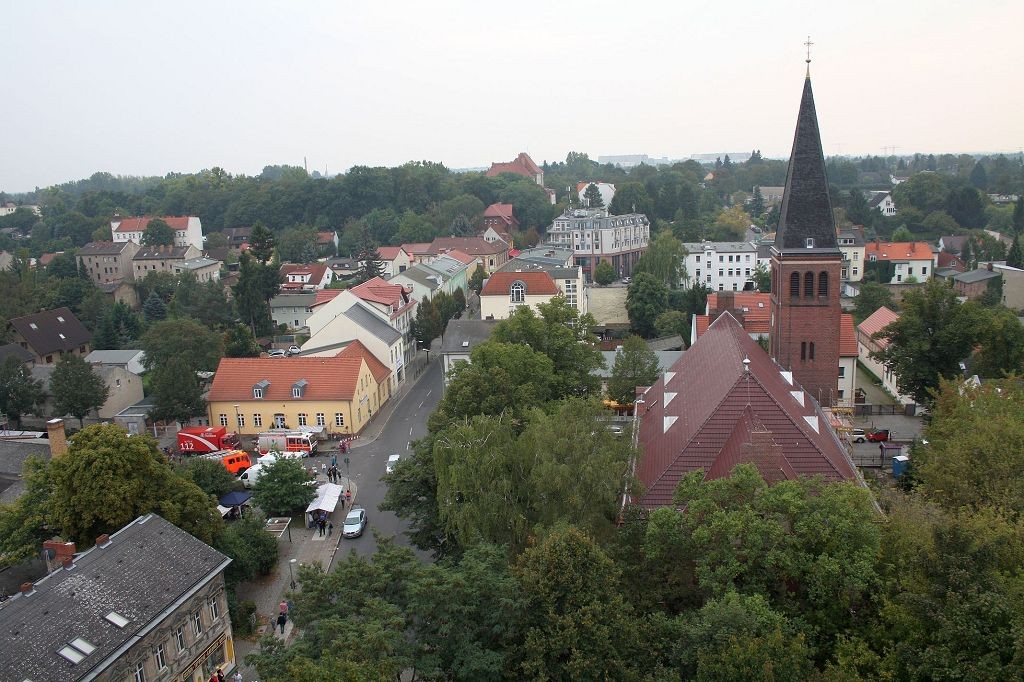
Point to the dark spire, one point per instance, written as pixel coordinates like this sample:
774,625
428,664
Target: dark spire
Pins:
806,206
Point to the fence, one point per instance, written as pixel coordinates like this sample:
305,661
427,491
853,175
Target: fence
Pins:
867,409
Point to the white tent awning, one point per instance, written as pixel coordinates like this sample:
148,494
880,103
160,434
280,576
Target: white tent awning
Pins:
326,499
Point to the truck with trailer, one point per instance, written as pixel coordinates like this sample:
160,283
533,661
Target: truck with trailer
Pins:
287,441
200,439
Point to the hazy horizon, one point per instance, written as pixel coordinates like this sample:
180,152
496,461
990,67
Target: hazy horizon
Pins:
145,90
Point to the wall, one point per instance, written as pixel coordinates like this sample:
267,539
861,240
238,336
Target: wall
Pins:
125,389
500,307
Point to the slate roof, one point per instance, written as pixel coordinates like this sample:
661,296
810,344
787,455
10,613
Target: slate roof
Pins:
369,321
52,330
666,358
422,276
537,283
113,357
197,263
955,242
806,206
12,461
162,252
473,332
330,378
103,248
296,299
356,349
139,224
17,351
695,416
148,567
876,322
979,275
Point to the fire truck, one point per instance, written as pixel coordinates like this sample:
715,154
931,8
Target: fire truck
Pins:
235,461
199,439
287,441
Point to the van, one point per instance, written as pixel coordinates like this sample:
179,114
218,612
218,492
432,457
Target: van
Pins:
251,475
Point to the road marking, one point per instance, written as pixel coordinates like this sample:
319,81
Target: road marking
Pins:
410,431
429,392
421,402
408,445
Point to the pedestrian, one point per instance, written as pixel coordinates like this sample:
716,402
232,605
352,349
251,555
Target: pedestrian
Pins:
330,528
348,497
220,675
322,527
237,676
334,460
283,607
281,620
323,468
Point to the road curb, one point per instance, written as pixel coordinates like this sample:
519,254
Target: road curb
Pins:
362,441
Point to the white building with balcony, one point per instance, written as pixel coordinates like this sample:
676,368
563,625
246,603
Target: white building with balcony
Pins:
594,236
722,266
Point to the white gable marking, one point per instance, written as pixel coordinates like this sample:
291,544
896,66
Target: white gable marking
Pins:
798,396
669,376
667,423
788,376
668,397
813,421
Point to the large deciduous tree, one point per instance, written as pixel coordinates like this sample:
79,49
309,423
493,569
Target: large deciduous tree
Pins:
297,245
646,300
20,393
283,487
187,340
240,343
635,365
872,296
604,273
664,259
158,233
77,390
176,390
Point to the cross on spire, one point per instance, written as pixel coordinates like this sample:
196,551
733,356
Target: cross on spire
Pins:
808,44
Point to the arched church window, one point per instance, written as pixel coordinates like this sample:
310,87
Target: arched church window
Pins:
794,284
808,284
823,284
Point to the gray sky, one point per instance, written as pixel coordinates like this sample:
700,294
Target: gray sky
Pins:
143,88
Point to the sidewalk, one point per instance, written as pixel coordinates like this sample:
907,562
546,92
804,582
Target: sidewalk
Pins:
380,420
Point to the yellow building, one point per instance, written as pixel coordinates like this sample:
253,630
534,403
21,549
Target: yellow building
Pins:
339,393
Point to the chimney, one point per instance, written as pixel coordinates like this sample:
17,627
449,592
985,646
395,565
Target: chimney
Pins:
60,549
103,540
58,439
27,588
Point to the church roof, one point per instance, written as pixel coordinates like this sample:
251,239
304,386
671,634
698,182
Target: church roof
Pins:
708,413
806,207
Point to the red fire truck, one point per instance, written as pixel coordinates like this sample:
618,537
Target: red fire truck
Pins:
201,439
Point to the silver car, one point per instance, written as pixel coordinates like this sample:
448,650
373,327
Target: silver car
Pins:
355,522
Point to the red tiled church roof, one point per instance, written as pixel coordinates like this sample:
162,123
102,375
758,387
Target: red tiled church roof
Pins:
708,413
521,165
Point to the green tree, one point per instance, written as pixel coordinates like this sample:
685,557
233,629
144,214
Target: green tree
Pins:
604,273
757,203
216,240
934,333
1018,215
106,479
663,259
592,196
240,343
200,349
209,474
154,308
283,487
412,495
635,365
370,263
871,297
257,284
176,391
966,207
857,209
1015,257
902,234
261,243
427,325
762,278
671,323
297,245
979,178
731,225
252,549
476,280
20,393
28,522
646,299
631,197
77,390
158,233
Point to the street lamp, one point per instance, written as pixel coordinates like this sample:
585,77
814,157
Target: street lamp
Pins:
238,421
291,572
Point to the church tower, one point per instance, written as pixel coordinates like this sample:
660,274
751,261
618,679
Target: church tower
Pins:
806,267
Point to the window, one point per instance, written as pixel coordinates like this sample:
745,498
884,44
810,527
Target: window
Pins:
257,420
721,259
794,284
518,292
803,350
161,659
179,638
321,419
808,284
223,420
811,354
924,270
302,419
721,272
257,393
810,242
910,269
823,284
339,419
241,421
296,392
842,371
856,256
698,274
197,622
214,609
140,672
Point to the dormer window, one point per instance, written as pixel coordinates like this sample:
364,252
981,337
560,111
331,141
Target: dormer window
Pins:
517,292
259,389
810,242
299,388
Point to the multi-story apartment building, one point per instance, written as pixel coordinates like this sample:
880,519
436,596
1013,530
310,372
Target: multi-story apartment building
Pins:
851,243
188,230
161,259
595,236
107,262
722,266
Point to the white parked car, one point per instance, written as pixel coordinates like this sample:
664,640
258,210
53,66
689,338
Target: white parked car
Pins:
277,352
293,350
392,461
355,523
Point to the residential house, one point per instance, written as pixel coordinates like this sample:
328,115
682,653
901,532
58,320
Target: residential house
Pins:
148,602
1013,284
106,262
337,393
471,262
346,318
851,243
47,258
343,268
606,189
945,259
504,292
292,308
395,303
124,388
594,236
493,234
867,344
910,259
9,207
723,266
237,236
491,254
1003,199
327,243
394,260
501,219
883,203
130,360
772,196
161,259
522,165
726,402
13,455
24,355
188,230
50,335
306,277
558,264
204,269
974,283
419,252
459,340
443,273
121,292
953,243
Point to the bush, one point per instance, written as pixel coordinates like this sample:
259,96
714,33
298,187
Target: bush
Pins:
242,614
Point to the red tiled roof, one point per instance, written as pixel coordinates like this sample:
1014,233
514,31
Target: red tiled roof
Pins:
702,324
944,260
521,165
537,283
325,237
751,308
139,224
460,256
499,211
381,291
47,258
325,295
474,246
356,349
694,412
847,337
418,249
389,252
898,251
876,322
316,271
327,378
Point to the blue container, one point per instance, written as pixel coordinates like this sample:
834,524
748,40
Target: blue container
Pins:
900,464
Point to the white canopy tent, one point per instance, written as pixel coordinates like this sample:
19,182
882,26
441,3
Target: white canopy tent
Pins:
326,500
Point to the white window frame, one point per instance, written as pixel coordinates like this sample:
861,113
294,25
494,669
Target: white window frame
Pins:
223,420
160,657
257,419
321,419
214,609
179,639
257,393
197,622
339,418
302,419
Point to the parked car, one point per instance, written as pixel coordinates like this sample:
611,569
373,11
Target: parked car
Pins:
277,352
355,523
878,436
294,350
857,435
392,461
627,280
616,429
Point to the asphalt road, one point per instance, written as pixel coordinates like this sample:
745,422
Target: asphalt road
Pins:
367,463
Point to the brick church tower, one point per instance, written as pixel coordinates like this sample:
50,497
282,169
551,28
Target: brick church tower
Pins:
806,267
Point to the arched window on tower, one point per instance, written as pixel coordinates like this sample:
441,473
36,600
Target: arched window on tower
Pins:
823,284
794,285
808,284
